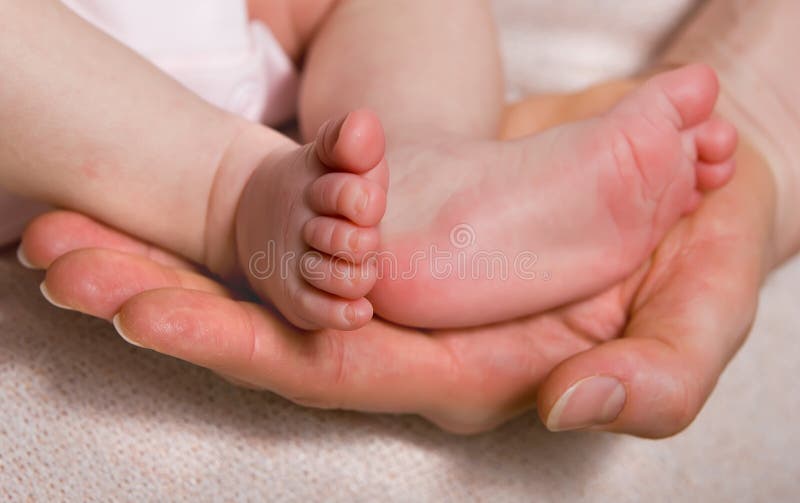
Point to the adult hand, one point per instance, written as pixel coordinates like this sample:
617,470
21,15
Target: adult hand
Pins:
639,358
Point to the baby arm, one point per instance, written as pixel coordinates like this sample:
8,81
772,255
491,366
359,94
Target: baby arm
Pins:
87,124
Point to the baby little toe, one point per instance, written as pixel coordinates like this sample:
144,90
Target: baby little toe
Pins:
326,310
711,176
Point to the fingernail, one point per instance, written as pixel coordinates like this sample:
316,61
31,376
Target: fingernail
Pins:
349,314
46,294
26,263
118,327
589,402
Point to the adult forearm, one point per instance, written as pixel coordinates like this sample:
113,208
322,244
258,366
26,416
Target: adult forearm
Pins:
752,43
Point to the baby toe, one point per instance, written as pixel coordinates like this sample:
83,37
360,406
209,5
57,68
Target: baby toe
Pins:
341,238
338,277
716,141
355,142
325,310
350,196
711,176
685,96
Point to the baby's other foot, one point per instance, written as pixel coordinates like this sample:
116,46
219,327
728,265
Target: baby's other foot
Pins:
307,219
487,231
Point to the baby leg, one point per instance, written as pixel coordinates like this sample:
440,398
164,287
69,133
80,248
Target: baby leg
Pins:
572,196
426,68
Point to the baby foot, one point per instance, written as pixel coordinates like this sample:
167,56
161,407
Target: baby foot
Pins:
307,218
481,232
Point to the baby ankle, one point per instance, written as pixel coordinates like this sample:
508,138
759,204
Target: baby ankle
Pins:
249,148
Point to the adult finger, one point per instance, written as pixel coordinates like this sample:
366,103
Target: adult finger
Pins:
97,281
379,368
53,234
688,321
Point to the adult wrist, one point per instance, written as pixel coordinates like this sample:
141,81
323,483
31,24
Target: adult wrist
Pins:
744,41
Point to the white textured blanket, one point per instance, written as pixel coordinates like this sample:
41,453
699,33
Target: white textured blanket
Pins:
85,417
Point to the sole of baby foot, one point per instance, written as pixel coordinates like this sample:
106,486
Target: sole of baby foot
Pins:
511,228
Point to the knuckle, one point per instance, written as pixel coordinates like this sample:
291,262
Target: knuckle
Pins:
325,392
679,408
466,421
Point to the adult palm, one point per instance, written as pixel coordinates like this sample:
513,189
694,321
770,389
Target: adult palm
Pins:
665,334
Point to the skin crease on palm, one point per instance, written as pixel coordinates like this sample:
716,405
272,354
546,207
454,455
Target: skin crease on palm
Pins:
667,332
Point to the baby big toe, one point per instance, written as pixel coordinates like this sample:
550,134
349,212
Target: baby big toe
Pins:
685,96
341,238
338,277
350,196
354,143
325,310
